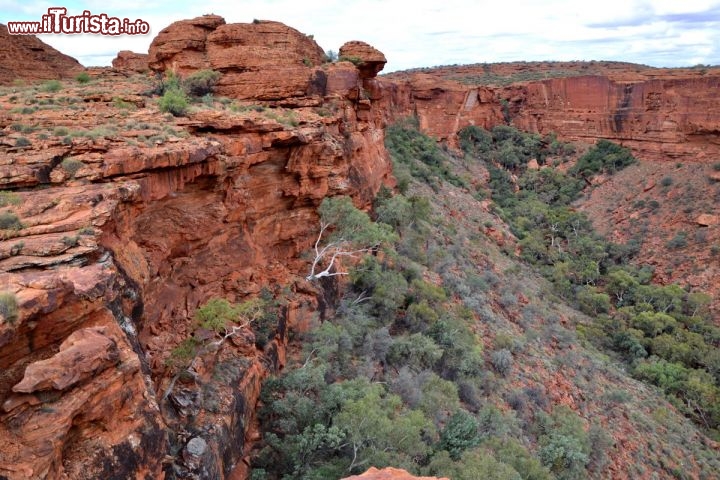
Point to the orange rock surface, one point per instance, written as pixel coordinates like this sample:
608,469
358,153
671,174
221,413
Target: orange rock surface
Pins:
369,60
26,57
131,61
263,60
389,474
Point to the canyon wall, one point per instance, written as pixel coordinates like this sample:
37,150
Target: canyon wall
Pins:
673,115
114,240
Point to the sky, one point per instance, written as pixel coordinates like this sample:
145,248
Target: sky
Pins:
661,33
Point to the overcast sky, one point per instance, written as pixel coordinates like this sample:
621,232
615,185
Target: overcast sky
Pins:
427,33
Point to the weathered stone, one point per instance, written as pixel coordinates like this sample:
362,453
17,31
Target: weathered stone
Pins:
369,60
140,235
263,60
708,220
131,61
26,57
83,354
389,474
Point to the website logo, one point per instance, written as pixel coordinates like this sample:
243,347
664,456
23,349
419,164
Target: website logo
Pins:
58,21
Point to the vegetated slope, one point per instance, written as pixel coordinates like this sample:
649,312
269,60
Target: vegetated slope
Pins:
671,209
449,356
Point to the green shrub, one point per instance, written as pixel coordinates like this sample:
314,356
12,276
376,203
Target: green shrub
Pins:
51,86
9,198
201,82
459,434
22,142
70,241
216,314
82,77
122,104
666,181
60,131
502,361
678,241
475,140
604,157
71,166
351,59
10,221
8,307
174,101
564,443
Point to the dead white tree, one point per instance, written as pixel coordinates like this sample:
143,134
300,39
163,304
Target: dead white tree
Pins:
327,255
345,231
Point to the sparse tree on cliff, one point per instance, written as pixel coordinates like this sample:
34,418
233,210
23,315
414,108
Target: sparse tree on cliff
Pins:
345,231
215,322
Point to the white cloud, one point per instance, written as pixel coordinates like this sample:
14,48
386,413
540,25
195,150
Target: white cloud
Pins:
425,33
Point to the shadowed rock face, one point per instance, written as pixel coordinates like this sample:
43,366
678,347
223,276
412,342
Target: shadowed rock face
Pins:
26,57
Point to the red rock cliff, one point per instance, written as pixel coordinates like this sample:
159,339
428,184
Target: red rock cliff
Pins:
125,228
661,114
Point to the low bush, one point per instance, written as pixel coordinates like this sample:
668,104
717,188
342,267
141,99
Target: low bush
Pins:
10,221
200,83
8,307
51,86
82,77
174,101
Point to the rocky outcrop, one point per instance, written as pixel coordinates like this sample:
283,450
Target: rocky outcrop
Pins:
369,60
85,353
389,474
26,57
181,47
124,229
131,62
263,60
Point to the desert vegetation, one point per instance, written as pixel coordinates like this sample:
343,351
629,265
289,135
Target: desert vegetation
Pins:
434,361
663,333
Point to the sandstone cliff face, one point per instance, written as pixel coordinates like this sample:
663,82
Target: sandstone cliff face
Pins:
28,58
670,118
660,115
659,119
122,238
